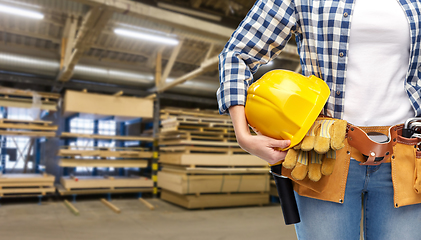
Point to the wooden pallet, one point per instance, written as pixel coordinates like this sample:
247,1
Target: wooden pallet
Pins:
187,183
26,184
92,182
215,200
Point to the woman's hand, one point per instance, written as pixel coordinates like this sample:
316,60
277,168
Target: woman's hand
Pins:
261,146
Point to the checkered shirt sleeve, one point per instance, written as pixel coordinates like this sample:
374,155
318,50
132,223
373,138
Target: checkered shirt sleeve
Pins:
259,38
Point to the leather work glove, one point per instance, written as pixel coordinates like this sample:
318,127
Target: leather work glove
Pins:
316,153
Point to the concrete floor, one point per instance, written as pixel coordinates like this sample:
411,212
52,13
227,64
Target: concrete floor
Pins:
53,221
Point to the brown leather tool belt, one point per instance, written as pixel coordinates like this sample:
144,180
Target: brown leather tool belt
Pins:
370,152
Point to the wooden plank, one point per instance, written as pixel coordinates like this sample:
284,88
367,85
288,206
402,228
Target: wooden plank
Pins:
193,184
211,159
196,129
196,122
72,208
195,119
30,94
199,143
26,103
214,170
27,184
28,133
202,149
27,127
105,148
110,205
65,192
147,204
104,153
103,163
79,102
42,190
192,112
85,182
212,136
40,122
106,137
26,178
215,200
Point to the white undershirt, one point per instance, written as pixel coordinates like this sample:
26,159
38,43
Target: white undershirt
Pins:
378,61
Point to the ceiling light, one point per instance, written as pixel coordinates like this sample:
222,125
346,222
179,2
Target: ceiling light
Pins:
146,36
21,12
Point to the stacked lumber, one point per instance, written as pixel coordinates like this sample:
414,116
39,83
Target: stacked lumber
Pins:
10,97
202,164
13,127
116,107
14,185
117,157
104,157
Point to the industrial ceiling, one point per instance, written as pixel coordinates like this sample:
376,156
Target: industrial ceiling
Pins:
76,44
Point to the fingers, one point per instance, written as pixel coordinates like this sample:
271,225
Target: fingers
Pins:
266,148
290,159
281,144
338,136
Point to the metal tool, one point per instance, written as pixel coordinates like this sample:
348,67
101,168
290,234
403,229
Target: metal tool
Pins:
286,195
411,126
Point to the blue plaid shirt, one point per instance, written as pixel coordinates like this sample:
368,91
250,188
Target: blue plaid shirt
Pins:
322,30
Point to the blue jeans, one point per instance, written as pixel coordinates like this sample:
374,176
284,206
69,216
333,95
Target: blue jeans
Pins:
322,220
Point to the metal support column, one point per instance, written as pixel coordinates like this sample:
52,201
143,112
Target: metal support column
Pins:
3,142
123,132
155,145
37,149
67,141
96,131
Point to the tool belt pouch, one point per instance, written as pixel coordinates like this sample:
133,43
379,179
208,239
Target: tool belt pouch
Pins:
406,171
402,153
328,188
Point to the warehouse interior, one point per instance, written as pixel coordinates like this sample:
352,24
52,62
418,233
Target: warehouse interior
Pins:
110,128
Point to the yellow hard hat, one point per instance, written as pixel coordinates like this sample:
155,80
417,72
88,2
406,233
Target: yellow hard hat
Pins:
284,105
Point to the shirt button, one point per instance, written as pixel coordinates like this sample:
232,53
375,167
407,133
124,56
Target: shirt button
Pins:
341,54
345,14
338,93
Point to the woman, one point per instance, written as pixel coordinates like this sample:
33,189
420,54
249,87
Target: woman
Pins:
368,54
